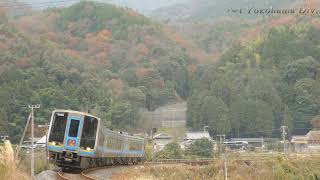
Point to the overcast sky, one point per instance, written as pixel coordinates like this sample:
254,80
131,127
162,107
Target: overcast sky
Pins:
142,6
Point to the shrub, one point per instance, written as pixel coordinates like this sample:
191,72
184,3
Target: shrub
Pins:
201,148
8,164
170,151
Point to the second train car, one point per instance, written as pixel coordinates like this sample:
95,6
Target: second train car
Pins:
80,140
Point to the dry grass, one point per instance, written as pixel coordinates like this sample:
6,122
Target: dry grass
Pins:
274,168
8,164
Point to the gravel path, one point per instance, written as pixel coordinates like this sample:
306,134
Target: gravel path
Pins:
104,174
100,174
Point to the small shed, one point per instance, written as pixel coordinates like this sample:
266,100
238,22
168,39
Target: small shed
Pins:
196,135
313,137
307,143
300,143
161,140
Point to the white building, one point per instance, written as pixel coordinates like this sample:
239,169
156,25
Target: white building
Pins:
307,143
190,137
161,140
197,135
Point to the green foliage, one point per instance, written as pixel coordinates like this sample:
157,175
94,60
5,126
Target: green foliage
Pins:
260,92
284,169
170,151
135,96
124,116
135,41
201,148
87,46
93,17
176,72
193,11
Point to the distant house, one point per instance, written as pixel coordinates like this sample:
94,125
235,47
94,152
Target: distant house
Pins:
192,136
42,142
161,140
307,143
196,135
300,143
313,137
39,142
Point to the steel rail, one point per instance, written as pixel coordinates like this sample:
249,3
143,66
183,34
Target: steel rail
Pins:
61,176
84,173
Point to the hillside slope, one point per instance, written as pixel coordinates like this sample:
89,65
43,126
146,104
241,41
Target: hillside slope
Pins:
204,10
259,85
90,56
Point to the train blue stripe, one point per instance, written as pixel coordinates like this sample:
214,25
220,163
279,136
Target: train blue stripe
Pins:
104,150
86,153
55,148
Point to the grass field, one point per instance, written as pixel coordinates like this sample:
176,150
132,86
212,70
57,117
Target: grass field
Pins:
265,168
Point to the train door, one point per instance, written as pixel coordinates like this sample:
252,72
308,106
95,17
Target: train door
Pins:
73,133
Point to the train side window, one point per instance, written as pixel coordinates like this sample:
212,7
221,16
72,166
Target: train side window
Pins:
89,132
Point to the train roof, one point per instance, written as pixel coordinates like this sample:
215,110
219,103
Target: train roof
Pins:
125,134
78,112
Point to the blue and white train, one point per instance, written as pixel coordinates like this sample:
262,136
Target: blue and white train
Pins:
80,140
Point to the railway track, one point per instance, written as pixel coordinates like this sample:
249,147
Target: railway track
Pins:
61,176
82,175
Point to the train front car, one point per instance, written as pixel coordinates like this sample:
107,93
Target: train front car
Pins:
72,138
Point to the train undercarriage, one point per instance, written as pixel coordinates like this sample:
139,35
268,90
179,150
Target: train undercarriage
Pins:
71,160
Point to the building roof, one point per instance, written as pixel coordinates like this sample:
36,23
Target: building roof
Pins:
196,135
299,140
42,140
162,136
313,135
249,140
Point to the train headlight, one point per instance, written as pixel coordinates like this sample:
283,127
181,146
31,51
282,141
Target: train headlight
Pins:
53,143
88,149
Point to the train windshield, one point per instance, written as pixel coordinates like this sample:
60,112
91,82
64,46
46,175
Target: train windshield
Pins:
89,132
74,128
58,127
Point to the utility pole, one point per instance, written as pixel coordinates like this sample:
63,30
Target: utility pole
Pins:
32,107
221,138
283,128
22,137
225,167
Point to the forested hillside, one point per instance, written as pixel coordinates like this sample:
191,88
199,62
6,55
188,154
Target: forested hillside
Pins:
258,86
91,56
204,10
212,26
112,61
